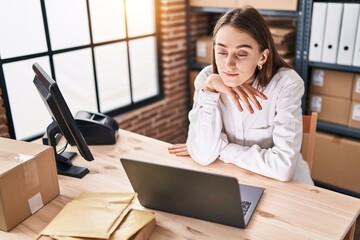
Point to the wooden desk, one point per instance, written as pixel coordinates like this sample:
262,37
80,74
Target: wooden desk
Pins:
286,211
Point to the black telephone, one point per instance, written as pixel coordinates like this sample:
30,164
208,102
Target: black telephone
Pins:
97,128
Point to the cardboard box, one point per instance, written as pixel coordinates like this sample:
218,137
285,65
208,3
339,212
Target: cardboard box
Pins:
332,83
284,5
354,117
204,50
337,162
331,109
28,180
356,88
214,3
283,36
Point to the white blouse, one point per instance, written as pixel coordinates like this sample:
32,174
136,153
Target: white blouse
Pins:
266,142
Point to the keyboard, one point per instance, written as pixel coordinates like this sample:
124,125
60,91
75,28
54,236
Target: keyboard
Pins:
245,206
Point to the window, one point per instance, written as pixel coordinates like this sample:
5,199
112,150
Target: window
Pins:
108,49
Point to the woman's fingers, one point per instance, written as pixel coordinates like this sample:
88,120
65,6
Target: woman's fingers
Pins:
242,96
254,91
235,99
246,92
182,154
179,150
178,145
252,96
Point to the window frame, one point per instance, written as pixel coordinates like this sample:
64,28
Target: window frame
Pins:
50,54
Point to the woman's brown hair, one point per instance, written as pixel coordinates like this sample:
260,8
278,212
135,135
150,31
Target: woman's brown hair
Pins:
248,19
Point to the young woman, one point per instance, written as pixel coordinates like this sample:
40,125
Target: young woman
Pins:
247,72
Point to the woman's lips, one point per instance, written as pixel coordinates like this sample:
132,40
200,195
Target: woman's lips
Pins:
231,74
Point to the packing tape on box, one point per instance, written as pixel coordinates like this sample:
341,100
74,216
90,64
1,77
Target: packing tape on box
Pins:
32,184
14,157
31,175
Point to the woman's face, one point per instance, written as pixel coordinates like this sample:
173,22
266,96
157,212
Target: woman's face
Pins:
237,55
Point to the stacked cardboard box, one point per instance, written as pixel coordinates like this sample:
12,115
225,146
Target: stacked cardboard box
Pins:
286,5
331,95
337,162
336,159
213,3
354,117
284,39
204,50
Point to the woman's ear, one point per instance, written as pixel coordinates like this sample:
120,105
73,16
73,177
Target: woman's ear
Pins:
264,57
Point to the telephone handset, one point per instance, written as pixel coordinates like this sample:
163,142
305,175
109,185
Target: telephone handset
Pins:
97,128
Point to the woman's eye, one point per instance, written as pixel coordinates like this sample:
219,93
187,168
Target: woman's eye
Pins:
241,55
222,53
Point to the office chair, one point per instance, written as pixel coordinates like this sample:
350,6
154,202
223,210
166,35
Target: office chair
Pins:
308,143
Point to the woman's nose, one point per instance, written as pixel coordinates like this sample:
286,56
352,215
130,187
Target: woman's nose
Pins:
230,62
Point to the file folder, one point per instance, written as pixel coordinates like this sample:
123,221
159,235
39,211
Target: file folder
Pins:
356,60
348,33
317,31
332,32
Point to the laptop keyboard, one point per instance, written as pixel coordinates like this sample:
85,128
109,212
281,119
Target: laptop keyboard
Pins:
245,206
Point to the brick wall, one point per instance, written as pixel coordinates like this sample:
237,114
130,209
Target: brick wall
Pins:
4,130
166,119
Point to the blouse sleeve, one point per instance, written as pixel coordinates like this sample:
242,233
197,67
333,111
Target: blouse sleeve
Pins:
205,137
279,161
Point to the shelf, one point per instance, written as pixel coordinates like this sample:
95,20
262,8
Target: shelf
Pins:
278,13
338,129
263,12
198,66
335,66
209,9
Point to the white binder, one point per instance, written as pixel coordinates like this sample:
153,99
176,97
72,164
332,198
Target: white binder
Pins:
332,32
317,31
348,33
356,60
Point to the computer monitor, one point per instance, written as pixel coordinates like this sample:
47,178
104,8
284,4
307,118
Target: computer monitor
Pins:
63,122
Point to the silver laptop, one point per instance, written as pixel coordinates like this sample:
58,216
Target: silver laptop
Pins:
210,197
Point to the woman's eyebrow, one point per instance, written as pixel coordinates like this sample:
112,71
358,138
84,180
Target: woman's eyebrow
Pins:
244,46
239,46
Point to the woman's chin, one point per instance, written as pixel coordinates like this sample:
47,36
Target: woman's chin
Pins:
231,84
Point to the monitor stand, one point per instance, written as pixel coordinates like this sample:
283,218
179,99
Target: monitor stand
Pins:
63,160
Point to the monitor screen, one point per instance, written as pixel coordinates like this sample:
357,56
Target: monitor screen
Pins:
63,120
